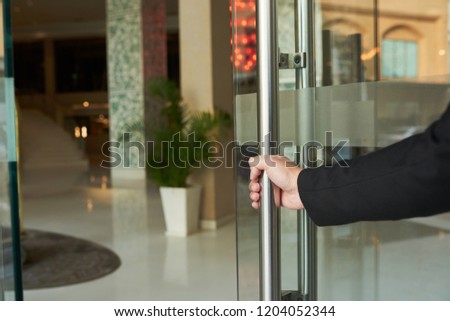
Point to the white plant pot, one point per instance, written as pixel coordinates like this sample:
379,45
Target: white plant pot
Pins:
181,208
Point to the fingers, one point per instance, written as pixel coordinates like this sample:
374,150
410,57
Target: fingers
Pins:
254,186
257,166
254,196
283,174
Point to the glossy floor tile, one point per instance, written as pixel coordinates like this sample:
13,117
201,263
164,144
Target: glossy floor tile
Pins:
130,222
387,260
405,260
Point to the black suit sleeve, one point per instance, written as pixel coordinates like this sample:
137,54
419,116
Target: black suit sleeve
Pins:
408,179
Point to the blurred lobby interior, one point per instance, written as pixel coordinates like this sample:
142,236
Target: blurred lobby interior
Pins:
80,72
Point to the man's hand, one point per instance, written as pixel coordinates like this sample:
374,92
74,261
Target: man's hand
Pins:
283,173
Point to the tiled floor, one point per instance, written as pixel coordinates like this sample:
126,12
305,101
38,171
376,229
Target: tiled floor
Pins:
399,260
129,221
406,260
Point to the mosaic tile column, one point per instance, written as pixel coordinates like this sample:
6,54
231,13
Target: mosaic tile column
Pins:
136,37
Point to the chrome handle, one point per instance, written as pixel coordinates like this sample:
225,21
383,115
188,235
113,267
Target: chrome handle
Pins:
305,78
267,52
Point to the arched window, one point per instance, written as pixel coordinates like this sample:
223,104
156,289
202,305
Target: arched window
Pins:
400,53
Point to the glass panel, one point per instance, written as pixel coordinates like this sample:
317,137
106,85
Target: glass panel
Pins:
369,261
345,54
378,261
362,261
244,45
399,59
247,138
10,269
346,46
286,34
244,61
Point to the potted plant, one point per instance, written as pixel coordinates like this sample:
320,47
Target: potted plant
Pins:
181,142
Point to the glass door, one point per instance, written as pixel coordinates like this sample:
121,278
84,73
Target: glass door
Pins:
347,58
380,74
383,77
10,257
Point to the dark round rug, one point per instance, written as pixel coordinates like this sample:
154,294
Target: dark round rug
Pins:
56,260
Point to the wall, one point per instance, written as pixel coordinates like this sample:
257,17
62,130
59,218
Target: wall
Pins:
427,18
206,84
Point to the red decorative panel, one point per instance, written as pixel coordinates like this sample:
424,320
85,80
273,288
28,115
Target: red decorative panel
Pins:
154,38
244,35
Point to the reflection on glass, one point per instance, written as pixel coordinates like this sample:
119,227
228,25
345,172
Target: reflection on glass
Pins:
382,76
286,35
10,280
358,40
244,45
354,261
243,19
346,47
400,59
377,261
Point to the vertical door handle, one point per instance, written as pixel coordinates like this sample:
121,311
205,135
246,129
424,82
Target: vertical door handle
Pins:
267,53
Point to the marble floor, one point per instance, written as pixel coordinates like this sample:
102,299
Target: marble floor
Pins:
405,260
130,222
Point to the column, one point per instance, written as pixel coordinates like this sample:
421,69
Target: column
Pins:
136,37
